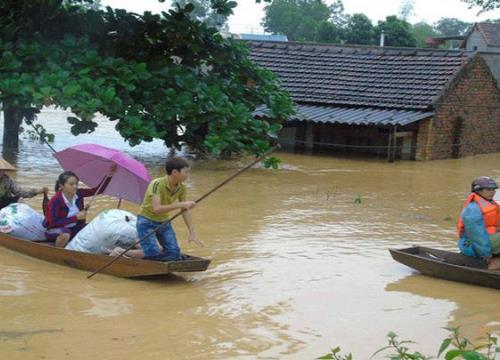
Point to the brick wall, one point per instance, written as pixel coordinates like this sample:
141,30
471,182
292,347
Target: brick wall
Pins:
467,119
423,139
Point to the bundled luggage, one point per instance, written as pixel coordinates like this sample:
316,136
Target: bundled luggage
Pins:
21,221
110,228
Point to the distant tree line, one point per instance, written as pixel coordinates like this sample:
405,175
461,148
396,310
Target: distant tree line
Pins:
314,20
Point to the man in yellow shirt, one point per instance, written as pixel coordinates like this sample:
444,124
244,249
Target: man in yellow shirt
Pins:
164,195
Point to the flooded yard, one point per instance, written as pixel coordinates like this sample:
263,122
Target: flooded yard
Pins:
300,263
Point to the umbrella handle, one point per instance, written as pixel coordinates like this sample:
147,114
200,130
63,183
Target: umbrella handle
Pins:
97,192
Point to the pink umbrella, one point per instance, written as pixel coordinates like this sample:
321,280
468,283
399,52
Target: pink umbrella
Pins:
92,162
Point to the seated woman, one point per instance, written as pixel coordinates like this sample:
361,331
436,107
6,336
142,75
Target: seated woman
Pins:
66,212
478,226
9,191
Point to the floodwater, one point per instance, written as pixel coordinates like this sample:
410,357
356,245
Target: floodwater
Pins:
299,264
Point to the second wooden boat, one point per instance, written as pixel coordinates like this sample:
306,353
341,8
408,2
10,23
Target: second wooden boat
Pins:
447,265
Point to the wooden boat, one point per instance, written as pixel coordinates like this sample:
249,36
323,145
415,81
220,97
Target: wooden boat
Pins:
123,267
447,265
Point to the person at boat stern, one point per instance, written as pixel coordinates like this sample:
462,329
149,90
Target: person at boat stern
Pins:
10,192
163,195
478,225
66,213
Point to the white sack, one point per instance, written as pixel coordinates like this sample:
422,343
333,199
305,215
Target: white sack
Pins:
110,228
21,221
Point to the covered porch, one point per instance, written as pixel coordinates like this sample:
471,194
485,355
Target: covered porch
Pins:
389,133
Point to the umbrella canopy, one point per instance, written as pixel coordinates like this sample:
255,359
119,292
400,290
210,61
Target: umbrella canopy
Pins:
92,162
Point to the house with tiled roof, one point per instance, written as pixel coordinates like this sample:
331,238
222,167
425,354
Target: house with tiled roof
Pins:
403,103
485,38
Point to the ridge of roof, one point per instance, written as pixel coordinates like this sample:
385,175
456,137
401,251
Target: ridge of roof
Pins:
361,49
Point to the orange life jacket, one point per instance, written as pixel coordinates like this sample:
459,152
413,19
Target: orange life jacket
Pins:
490,211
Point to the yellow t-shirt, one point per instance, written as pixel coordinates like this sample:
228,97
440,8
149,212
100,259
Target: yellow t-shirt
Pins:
161,188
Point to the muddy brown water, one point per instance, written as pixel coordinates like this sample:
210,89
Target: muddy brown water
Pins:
300,264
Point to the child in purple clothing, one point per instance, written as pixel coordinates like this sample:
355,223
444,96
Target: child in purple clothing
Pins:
66,211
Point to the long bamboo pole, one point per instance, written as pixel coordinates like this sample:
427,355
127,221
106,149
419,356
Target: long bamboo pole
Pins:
239,172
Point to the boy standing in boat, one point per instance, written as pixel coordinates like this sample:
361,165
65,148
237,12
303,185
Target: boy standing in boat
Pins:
478,226
164,194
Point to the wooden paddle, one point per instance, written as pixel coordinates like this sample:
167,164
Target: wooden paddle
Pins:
239,172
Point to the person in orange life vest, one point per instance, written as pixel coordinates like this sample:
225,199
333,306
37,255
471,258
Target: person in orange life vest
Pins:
479,222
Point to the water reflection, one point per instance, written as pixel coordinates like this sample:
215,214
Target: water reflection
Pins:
13,282
106,307
466,298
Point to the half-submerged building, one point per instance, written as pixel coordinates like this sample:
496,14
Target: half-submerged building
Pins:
402,103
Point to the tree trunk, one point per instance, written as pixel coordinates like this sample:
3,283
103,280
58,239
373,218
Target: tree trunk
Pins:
13,118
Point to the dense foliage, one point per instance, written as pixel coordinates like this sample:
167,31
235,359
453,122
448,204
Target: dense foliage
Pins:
486,5
314,20
454,346
421,32
167,76
359,30
397,32
300,20
203,12
451,26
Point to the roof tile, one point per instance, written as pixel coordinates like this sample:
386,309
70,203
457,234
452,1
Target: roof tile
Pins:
491,33
402,78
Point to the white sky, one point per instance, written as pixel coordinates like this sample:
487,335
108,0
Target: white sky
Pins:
248,15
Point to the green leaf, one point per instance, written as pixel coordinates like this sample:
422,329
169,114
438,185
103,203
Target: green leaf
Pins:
108,95
444,346
271,162
326,357
84,71
71,90
472,355
11,86
452,354
275,128
189,7
8,62
46,91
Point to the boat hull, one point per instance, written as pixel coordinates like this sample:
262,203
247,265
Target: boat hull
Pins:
123,267
447,265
